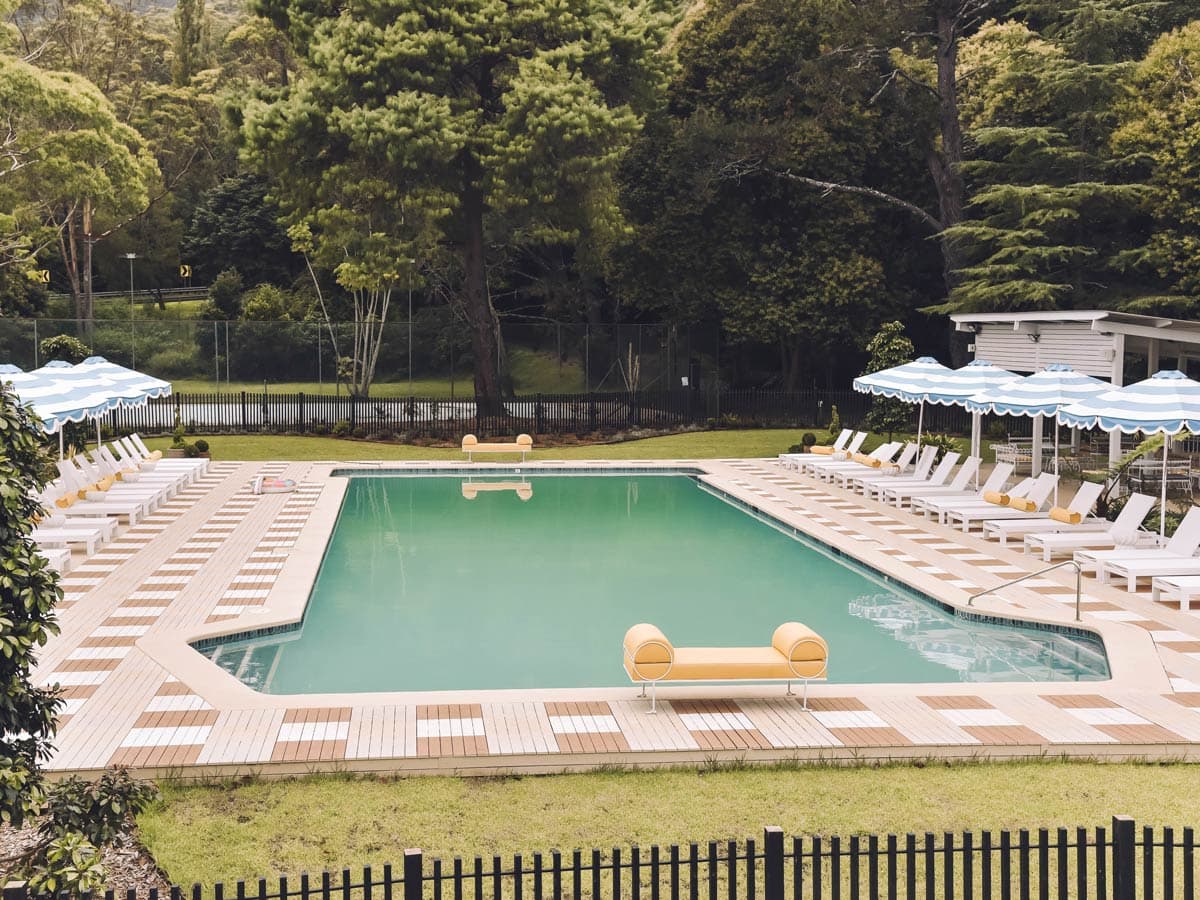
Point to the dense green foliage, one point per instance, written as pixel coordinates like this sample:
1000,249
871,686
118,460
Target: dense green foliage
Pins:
794,173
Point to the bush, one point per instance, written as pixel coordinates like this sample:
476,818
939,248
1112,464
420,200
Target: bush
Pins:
997,430
201,446
341,428
65,347
320,429
835,423
943,442
172,363
808,439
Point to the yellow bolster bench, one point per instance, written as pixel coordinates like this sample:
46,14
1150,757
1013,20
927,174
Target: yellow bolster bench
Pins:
796,653
523,444
471,489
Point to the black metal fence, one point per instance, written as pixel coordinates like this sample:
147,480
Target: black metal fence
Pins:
1100,863
439,417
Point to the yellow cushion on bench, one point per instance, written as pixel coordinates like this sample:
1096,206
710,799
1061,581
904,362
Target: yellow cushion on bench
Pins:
821,450
1066,516
65,501
728,663
648,653
469,440
996,497
155,455
863,459
104,483
1024,504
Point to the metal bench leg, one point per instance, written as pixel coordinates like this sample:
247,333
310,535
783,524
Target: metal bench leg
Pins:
653,697
790,692
804,700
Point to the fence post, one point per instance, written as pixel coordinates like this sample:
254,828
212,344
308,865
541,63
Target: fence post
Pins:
1122,860
300,424
412,874
244,426
773,863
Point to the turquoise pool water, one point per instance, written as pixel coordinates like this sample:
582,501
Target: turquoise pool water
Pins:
422,588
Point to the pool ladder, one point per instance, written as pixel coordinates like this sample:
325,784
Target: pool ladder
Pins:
1070,562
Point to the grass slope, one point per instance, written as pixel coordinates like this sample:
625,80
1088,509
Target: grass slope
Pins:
222,833
692,445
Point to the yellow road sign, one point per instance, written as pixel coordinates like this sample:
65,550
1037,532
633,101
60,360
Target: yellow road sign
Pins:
185,271
43,276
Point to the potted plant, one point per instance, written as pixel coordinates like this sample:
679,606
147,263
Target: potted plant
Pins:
201,446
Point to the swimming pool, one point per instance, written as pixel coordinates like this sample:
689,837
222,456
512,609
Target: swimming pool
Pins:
445,583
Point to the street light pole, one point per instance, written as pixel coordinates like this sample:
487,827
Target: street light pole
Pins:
132,346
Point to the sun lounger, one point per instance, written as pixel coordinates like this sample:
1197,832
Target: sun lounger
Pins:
865,481
796,653
809,462
859,462
905,493
92,484
939,507
1175,588
472,445
936,478
792,460
87,538
1075,516
1178,554
1121,532
59,559
63,499
1017,507
852,479
931,500
196,465
172,479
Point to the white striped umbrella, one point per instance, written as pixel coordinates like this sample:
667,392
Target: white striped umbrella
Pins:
53,400
135,387
1040,394
960,385
912,382
1166,403
91,391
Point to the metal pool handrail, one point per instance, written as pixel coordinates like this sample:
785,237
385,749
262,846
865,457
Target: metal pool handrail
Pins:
1070,562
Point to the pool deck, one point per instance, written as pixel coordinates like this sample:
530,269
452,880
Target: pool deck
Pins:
218,560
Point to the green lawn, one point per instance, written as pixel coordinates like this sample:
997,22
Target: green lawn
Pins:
692,445
224,832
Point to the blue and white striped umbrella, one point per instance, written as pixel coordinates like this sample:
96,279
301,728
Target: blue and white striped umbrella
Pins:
1167,402
55,401
1040,394
911,382
960,385
134,387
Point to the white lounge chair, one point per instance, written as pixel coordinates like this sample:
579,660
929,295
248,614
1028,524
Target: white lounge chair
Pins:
1180,588
931,500
924,465
171,479
1181,548
936,478
110,503
1153,563
939,507
83,475
87,538
196,465
894,469
1080,507
1036,496
1123,531
792,460
59,559
962,479
884,453
811,462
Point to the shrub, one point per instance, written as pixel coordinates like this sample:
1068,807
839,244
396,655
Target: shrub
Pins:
359,432
320,429
808,439
65,347
341,428
943,442
201,446
172,363
997,430
835,423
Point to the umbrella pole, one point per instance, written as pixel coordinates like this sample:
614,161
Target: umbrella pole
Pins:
920,423
61,454
1056,457
97,434
1162,511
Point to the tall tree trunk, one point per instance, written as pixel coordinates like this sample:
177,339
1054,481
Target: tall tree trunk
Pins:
481,317
89,312
945,163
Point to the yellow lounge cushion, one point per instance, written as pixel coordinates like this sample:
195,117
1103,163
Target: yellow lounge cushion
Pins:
1024,504
65,501
469,440
728,663
104,483
1066,516
799,643
648,653
821,450
996,497
863,459
155,455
